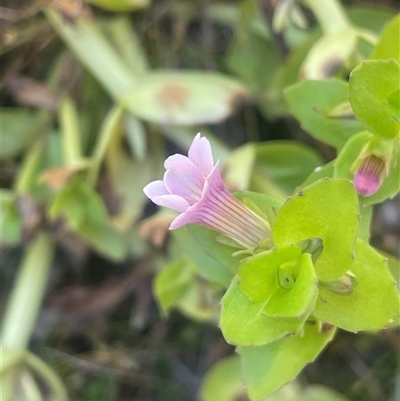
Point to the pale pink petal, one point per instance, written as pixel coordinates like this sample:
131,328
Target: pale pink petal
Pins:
174,202
190,216
201,155
214,181
155,188
184,179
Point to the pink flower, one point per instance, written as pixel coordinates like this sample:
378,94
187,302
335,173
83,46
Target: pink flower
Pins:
194,187
368,176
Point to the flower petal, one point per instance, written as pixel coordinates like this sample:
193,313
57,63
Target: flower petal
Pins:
174,202
155,188
201,155
183,178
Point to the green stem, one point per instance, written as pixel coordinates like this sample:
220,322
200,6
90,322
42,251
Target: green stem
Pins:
109,127
329,14
25,300
70,132
28,169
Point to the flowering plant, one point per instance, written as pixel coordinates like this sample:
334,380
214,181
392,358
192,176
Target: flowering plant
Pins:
287,298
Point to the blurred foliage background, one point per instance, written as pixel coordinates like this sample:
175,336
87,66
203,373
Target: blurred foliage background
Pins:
91,97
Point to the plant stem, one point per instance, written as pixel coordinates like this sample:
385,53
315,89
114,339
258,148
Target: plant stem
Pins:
329,14
70,132
25,300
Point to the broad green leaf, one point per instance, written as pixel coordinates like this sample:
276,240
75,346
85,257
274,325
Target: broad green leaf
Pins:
344,166
389,42
173,281
120,5
327,209
224,382
214,260
364,229
285,163
11,226
393,101
94,51
19,128
121,33
329,53
267,368
78,203
253,59
104,238
299,300
374,301
258,275
371,83
311,101
184,98
200,302
325,171
243,322
212,246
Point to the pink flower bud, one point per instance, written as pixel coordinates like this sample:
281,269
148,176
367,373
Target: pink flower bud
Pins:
368,176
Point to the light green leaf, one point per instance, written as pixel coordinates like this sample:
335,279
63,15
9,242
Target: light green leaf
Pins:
267,368
285,163
224,382
327,209
214,260
92,48
173,281
371,83
11,226
329,53
258,275
184,98
389,42
244,322
318,173
19,128
220,253
120,5
374,301
299,300
311,101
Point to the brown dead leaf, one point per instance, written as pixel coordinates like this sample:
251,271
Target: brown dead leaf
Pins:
57,177
29,92
31,216
155,228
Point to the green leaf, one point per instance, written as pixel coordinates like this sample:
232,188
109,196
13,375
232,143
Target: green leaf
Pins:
374,301
299,300
214,260
19,128
173,281
325,171
244,322
331,51
221,253
267,368
389,42
285,163
95,52
371,83
258,274
224,382
343,168
184,98
327,209
311,101
120,5
11,226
